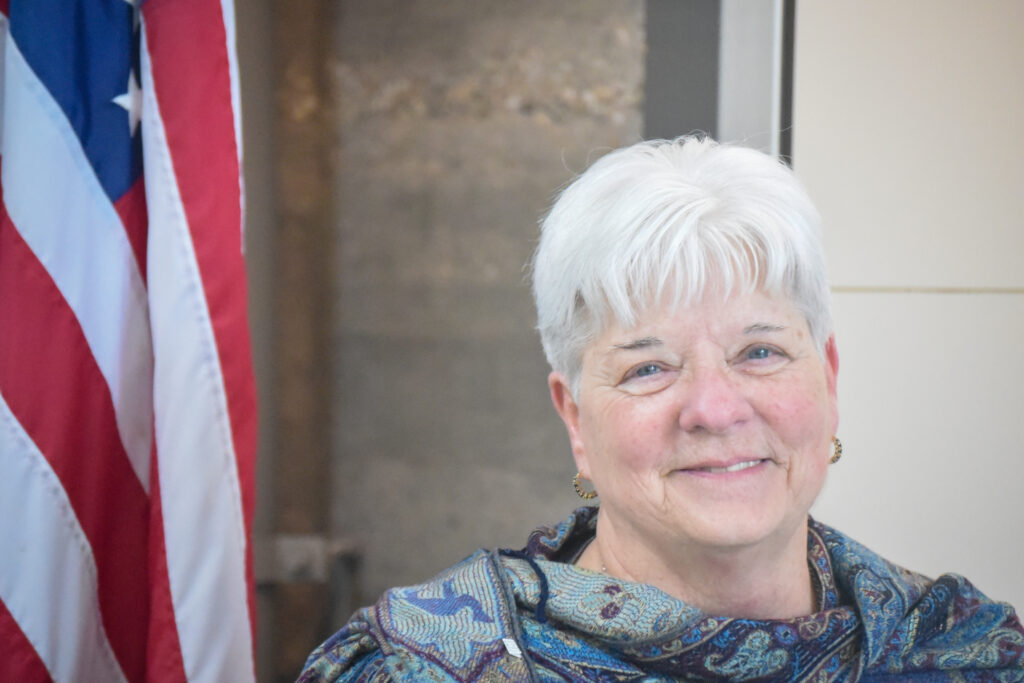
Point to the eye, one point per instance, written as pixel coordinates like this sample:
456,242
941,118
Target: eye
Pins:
645,370
646,373
648,377
763,356
760,352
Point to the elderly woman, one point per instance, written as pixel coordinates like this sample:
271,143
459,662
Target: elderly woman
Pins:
683,307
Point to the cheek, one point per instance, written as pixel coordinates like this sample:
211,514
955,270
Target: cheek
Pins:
801,417
626,435
801,421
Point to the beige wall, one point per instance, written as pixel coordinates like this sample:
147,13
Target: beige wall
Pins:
907,132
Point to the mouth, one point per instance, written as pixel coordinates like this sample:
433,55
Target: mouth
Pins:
724,469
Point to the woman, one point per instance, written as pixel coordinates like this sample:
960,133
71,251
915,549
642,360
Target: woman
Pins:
683,307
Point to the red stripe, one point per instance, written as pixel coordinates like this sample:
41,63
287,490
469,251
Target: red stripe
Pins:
19,661
165,663
188,48
55,389
131,207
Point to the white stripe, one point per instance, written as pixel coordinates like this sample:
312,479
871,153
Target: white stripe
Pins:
78,237
48,575
227,8
204,527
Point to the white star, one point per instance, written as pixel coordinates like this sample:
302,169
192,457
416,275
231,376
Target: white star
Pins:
131,102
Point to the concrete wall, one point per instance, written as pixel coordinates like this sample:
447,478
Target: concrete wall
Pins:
907,132
457,120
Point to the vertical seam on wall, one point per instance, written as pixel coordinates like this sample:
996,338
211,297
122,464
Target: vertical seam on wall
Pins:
786,70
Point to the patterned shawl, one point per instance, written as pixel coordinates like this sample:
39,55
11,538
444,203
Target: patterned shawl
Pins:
531,615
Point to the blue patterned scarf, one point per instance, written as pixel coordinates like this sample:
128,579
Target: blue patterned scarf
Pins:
531,615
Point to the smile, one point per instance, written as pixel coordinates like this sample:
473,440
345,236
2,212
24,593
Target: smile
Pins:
736,467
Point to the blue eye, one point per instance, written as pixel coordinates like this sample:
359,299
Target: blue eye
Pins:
760,353
647,369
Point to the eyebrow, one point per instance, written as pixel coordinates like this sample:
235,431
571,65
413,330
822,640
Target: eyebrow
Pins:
642,343
648,342
758,328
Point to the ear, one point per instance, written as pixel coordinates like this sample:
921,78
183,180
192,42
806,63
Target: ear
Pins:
569,411
831,378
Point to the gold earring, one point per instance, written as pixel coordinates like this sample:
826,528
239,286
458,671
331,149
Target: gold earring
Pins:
585,495
837,451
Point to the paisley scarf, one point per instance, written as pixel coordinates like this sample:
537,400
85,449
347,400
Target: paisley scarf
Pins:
531,615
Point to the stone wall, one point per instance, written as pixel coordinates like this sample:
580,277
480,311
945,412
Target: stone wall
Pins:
458,120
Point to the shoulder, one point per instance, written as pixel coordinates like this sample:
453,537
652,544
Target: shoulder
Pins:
452,627
351,654
953,626
855,566
913,622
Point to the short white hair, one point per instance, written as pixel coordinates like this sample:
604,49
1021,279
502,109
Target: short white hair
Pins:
669,218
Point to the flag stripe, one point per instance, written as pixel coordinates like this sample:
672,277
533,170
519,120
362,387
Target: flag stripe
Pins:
163,653
20,661
46,562
201,495
76,432
131,208
83,245
227,8
199,155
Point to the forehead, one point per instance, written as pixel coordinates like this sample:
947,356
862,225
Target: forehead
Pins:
740,313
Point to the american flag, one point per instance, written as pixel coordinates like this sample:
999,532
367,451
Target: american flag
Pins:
127,403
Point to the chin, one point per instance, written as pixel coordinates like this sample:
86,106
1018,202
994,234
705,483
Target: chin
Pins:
742,530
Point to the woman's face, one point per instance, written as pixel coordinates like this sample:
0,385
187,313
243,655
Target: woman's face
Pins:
708,425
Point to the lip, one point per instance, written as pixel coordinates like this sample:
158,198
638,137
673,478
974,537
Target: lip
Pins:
726,468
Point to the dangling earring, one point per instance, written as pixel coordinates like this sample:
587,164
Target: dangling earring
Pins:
837,451
585,495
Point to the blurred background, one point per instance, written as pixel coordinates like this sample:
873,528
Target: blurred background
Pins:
398,155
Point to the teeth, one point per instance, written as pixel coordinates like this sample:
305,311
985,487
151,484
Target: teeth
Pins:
732,468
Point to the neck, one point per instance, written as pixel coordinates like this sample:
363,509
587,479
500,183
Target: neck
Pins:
765,581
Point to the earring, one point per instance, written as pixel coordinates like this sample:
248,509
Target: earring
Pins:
585,495
837,451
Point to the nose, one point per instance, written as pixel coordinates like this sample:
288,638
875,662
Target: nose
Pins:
713,401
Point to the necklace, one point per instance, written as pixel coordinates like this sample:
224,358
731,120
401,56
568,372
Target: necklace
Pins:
600,555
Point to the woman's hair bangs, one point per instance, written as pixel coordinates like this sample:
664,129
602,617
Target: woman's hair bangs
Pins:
667,223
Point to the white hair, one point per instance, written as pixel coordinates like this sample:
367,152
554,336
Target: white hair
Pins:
671,218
